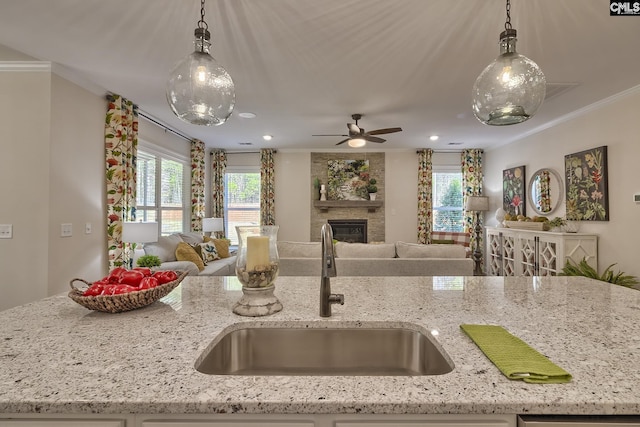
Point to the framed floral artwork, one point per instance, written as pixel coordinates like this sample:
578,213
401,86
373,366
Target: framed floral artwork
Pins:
587,196
513,191
348,179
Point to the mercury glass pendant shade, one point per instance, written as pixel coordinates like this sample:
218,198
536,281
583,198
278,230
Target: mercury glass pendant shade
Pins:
199,90
511,89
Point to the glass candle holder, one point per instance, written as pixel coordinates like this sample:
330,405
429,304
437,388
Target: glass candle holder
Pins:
257,262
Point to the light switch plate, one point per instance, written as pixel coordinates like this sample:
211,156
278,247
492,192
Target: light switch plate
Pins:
87,228
6,231
66,230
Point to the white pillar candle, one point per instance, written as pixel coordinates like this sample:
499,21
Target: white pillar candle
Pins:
257,252
322,187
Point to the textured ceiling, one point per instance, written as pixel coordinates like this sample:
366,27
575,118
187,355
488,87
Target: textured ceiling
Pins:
304,66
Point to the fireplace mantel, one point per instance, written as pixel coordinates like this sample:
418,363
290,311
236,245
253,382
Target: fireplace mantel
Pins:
325,205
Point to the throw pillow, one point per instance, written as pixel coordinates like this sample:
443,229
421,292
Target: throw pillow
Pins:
443,241
186,252
209,252
222,247
192,238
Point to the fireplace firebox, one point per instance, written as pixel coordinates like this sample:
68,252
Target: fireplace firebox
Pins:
349,230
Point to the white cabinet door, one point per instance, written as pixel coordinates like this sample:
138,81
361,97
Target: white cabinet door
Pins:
513,252
429,421
266,422
61,423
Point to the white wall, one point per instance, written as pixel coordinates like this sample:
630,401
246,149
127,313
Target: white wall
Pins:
24,182
612,123
77,190
293,195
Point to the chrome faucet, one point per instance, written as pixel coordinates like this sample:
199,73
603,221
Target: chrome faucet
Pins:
328,270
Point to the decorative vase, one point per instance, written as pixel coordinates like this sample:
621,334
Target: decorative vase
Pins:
372,196
257,267
571,226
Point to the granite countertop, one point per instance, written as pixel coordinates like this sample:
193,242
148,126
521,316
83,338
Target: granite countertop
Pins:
58,357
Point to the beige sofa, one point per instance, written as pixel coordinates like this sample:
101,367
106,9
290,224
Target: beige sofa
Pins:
165,249
381,259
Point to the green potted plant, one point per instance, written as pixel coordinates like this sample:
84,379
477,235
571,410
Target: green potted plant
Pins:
148,261
584,269
372,189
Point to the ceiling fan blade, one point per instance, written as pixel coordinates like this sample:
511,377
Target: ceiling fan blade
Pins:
382,131
353,129
343,141
328,135
373,138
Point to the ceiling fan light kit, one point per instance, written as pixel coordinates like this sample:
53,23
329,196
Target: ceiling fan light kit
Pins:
199,90
357,136
510,89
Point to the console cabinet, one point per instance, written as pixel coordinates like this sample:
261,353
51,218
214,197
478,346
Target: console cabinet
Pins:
513,252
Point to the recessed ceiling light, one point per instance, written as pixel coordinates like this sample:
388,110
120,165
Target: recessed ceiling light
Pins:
247,115
267,137
434,137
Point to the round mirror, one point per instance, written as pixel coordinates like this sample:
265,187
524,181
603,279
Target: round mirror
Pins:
545,191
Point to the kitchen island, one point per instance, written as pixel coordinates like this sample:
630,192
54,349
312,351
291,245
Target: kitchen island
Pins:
56,357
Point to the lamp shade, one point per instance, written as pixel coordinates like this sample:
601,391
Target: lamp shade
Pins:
357,142
139,232
212,224
477,203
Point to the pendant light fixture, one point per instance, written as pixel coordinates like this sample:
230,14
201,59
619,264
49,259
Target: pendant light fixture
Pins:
200,91
511,89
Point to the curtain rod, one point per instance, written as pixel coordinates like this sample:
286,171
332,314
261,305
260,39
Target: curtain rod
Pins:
242,152
442,151
162,125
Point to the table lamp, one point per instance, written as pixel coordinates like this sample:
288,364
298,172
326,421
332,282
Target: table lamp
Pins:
212,225
139,232
477,204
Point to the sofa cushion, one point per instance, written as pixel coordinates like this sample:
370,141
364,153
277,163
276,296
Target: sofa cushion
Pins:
193,238
365,250
209,252
299,249
164,248
222,246
416,250
186,252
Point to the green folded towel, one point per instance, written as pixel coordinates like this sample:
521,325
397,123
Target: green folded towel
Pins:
515,358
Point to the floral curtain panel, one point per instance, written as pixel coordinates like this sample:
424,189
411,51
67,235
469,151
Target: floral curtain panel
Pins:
121,150
218,167
267,188
472,179
425,204
197,184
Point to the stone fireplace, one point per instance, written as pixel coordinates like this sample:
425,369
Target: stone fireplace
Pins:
349,210
349,230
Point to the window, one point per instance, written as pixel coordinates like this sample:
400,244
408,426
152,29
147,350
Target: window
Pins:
447,201
241,200
161,188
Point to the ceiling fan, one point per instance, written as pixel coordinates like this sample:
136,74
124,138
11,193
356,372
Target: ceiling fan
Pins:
357,136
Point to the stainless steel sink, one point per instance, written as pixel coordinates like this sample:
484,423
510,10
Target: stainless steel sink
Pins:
304,350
